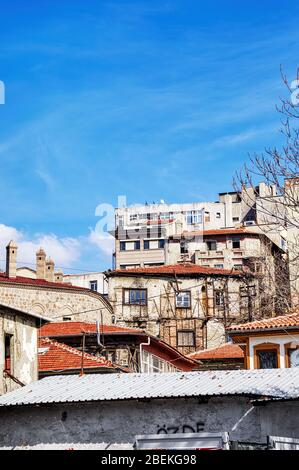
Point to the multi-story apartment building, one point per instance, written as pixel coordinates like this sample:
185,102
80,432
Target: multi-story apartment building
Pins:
163,234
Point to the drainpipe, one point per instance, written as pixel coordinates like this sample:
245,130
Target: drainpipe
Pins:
99,332
140,352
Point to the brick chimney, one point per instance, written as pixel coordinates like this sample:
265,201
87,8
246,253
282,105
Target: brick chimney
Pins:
49,270
40,264
11,259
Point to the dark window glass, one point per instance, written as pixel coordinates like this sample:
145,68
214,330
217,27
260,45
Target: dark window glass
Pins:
146,244
7,364
161,243
93,285
267,359
212,245
122,246
137,245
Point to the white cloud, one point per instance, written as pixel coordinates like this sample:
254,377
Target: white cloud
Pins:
103,241
64,251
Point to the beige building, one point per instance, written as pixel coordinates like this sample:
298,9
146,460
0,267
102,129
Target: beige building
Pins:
186,305
46,294
18,347
144,235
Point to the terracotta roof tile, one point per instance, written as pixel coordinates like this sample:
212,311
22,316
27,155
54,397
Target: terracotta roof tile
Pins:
282,321
70,328
225,351
39,282
183,269
54,356
220,231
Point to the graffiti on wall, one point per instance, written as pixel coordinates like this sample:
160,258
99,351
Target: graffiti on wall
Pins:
181,428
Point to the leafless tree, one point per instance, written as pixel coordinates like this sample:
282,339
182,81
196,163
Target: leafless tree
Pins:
276,207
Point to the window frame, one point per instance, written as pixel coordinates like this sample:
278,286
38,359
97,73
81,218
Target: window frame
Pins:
134,303
94,282
209,242
190,299
185,345
266,347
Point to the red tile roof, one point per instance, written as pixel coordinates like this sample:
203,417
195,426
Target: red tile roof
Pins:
283,321
59,357
73,328
225,351
183,269
39,282
220,231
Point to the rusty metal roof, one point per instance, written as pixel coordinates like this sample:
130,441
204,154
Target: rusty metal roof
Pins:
278,383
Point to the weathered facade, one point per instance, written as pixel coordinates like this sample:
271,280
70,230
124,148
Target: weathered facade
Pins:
187,306
18,348
43,296
111,409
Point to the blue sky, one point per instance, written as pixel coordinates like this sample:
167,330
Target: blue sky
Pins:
148,99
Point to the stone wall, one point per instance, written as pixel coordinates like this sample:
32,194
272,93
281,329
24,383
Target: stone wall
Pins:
56,303
117,423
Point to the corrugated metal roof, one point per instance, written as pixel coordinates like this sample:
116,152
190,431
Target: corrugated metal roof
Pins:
280,383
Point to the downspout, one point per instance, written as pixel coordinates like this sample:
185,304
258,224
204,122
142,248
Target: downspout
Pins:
140,352
99,332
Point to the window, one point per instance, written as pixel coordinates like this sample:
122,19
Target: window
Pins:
151,363
266,356
129,246
238,266
183,299
219,298
218,266
133,217
218,215
66,319
184,247
161,244
93,285
212,245
267,359
236,219
236,243
153,244
294,357
193,217
8,352
207,217
185,338
135,297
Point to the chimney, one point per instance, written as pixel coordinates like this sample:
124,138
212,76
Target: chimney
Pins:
49,270
11,259
58,276
40,264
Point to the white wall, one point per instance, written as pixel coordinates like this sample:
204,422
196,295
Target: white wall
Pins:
279,339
